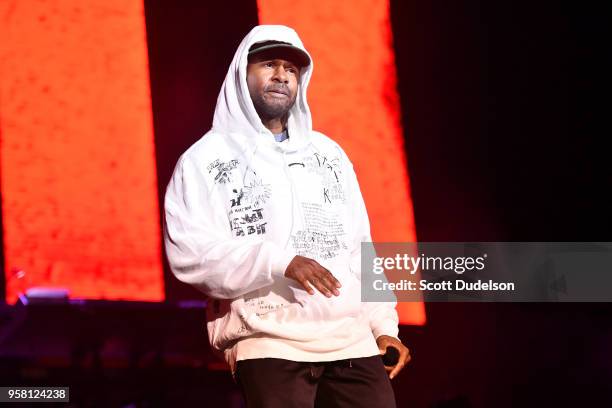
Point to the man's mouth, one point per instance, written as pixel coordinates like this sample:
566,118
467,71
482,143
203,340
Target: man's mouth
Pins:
278,92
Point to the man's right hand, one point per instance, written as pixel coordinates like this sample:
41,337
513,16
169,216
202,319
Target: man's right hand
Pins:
309,272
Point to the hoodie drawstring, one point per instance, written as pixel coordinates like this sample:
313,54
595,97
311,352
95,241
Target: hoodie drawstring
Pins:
294,197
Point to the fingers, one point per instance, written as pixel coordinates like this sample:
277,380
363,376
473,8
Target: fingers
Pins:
306,286
330,283
309,273
398,367
335,283
403,360
384,342
408,357
323,280
321,286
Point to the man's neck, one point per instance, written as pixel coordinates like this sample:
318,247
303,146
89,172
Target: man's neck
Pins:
275,125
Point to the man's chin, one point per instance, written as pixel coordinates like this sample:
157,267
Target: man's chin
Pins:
272,110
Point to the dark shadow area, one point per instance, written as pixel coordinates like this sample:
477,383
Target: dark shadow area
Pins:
504,109
115,354
191,44
509,355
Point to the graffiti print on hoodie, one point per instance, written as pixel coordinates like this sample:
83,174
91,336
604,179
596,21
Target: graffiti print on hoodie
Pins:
246,208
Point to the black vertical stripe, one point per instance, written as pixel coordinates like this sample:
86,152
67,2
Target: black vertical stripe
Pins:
191,44
505,107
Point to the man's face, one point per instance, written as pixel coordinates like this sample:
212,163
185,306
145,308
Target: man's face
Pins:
273,84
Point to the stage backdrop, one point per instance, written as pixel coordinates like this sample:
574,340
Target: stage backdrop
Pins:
79,181
79,188
354,100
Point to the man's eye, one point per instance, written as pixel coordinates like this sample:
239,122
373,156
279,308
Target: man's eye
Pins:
269,64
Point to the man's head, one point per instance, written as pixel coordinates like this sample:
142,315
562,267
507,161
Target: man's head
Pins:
273,75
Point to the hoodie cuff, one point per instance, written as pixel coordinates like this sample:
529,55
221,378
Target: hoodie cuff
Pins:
387,327
280,263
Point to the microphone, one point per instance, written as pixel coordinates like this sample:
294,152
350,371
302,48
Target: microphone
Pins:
391,356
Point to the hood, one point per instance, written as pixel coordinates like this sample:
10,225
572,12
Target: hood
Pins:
235,114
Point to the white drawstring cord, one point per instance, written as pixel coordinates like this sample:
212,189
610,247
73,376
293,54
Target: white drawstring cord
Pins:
294,192
293,198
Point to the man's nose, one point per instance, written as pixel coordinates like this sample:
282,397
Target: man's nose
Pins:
280,74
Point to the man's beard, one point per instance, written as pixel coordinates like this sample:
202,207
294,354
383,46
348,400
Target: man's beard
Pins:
276,109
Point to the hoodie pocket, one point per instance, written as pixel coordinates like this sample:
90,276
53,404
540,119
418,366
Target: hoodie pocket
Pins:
318,306
224,330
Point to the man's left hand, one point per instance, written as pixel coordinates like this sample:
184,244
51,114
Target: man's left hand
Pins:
404,354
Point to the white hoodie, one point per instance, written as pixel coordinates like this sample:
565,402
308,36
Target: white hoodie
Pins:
240,206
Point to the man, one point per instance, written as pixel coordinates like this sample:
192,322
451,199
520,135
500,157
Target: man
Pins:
265,215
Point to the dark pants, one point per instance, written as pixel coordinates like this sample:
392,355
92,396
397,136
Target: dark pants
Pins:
272,383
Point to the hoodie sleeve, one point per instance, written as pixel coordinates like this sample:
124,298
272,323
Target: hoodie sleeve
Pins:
382,315
200,247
